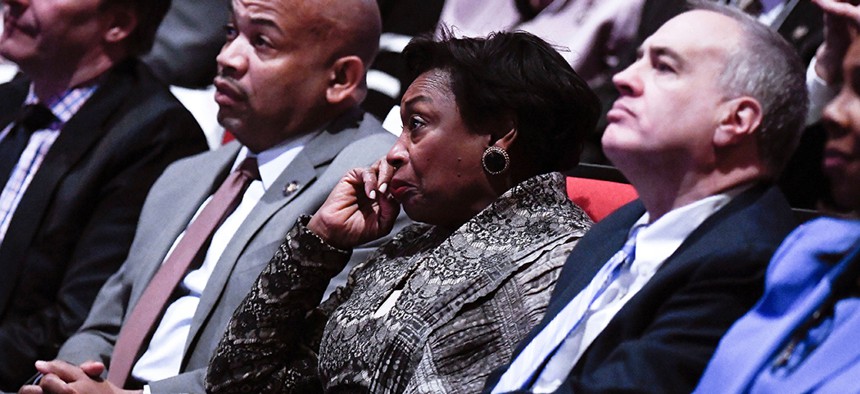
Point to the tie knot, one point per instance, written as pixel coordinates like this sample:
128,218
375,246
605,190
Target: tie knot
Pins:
249,168
35,117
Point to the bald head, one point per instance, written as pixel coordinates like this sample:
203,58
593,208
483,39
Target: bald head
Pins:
291,66
348,27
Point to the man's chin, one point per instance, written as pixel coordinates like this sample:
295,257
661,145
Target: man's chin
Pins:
11,52
229,122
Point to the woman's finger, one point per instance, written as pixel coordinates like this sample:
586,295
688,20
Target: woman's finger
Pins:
846,9
386,171
370,182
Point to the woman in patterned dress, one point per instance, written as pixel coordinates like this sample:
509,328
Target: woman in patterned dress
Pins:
487,125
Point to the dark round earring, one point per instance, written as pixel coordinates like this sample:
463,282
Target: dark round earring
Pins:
495,160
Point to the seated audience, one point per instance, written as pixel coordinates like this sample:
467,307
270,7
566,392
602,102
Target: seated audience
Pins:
487,125
706,118
388,78
85,130
801,336
291,77
589,34
592,35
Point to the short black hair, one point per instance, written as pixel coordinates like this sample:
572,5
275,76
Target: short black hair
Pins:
516,76
149,14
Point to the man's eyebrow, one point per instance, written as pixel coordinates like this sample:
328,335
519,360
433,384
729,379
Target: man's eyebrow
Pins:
265,22
662,51
665,51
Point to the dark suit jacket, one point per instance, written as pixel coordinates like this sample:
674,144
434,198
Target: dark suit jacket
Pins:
661,340
76,220
350,141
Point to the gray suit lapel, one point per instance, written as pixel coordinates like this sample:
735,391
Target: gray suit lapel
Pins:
302,171
185,196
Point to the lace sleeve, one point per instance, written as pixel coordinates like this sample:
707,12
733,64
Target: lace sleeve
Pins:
269,344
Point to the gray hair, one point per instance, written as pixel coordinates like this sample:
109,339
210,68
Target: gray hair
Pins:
768,69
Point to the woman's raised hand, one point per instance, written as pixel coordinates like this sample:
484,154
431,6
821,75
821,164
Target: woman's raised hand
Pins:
358,209
840,16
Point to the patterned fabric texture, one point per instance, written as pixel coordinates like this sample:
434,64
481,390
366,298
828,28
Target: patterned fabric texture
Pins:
468,298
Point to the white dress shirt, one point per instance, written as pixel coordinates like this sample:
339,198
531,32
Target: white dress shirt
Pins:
163,357
655,243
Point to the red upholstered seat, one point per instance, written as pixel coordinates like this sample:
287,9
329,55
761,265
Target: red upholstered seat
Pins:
599,197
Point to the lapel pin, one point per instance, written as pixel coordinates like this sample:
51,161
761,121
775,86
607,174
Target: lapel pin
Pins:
291,188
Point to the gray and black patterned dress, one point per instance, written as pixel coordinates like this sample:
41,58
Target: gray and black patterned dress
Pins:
465,300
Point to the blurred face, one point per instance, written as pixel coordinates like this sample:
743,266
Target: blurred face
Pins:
842,121
39,33
439,177
272,75
667,109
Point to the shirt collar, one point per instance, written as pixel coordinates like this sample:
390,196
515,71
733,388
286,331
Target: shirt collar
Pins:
66,104
273,161
657,241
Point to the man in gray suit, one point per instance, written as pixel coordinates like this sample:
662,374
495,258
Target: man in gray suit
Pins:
291,76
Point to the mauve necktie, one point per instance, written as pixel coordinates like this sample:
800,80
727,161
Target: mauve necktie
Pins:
143,317
31,118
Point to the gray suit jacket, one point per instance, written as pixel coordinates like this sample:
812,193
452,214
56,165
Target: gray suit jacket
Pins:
349,142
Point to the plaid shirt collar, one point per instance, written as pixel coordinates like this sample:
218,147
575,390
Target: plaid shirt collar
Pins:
66,104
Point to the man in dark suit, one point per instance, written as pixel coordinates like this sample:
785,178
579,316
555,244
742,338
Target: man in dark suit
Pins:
707,117
291,77
73,186
801,23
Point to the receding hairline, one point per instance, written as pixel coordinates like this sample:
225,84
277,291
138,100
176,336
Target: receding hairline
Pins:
355,25
730,44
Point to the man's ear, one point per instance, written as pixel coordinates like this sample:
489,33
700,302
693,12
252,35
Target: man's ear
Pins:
121,21
742,117
346,79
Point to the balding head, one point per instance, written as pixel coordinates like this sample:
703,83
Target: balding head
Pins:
350,27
